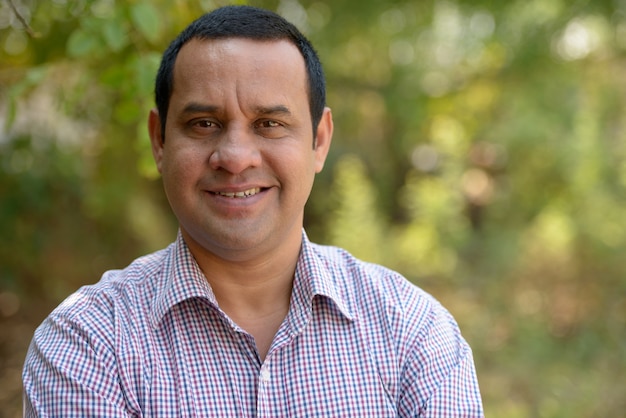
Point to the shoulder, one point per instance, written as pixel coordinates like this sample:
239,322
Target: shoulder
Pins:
87,330
116,285
375,288
411,337
391,309
396,317
76,350
96,312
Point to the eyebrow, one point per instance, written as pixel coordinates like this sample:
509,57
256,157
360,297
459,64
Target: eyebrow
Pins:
200,108
273,110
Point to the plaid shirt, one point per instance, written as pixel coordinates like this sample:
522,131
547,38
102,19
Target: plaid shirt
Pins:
150,340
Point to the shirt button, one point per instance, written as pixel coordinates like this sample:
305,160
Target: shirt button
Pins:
265,375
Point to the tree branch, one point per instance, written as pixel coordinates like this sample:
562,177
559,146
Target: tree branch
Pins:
19,16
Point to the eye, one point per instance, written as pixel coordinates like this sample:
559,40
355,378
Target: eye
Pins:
269,124
201,127
270,128
204,123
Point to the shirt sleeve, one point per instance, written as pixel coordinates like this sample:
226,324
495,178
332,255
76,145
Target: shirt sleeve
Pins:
440,378
68,373
458,395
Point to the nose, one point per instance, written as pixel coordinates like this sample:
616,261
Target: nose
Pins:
236,151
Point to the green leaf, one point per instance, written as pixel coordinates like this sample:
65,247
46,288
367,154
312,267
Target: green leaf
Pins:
115,35
115,76
147,21
36,75
33,77
145,69
81,43
127,111
11,113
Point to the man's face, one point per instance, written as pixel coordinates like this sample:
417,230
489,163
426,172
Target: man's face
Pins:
238,161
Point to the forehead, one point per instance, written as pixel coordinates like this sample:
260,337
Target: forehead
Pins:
220,59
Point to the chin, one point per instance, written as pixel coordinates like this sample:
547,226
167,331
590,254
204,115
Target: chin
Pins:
232,241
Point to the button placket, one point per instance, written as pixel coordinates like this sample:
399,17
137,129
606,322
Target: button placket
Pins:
264,387
265,374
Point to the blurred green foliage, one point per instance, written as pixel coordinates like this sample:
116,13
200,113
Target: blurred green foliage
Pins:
479,149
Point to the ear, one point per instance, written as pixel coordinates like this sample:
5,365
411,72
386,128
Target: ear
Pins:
323,139
156,137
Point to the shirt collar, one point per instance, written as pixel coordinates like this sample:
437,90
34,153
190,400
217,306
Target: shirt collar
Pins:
182,279
317,275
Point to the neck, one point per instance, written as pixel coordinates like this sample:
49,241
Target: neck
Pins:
254,292
250,277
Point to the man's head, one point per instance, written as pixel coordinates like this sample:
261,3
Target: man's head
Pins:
232,137
242,22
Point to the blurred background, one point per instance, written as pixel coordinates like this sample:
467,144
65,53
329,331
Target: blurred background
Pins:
480,150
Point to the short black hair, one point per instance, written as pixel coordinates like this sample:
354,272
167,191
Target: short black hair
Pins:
242,22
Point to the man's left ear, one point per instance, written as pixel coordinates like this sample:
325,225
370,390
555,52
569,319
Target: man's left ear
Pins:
156,137
323,139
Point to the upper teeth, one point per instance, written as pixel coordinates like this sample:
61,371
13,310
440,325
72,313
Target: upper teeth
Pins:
245,193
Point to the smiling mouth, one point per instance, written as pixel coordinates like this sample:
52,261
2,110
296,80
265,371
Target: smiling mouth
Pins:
239,195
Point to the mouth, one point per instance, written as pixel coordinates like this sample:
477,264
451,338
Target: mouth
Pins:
239,195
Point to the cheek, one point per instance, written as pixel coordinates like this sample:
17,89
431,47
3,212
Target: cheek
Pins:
293,163
298,171
180,167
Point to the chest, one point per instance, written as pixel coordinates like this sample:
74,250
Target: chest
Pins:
209,368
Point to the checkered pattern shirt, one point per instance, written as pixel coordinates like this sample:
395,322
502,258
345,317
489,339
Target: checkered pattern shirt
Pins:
150,340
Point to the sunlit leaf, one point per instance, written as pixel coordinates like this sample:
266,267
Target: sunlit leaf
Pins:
115,35
81,43
146,19
145,69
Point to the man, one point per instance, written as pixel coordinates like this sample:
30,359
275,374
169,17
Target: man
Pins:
242,316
